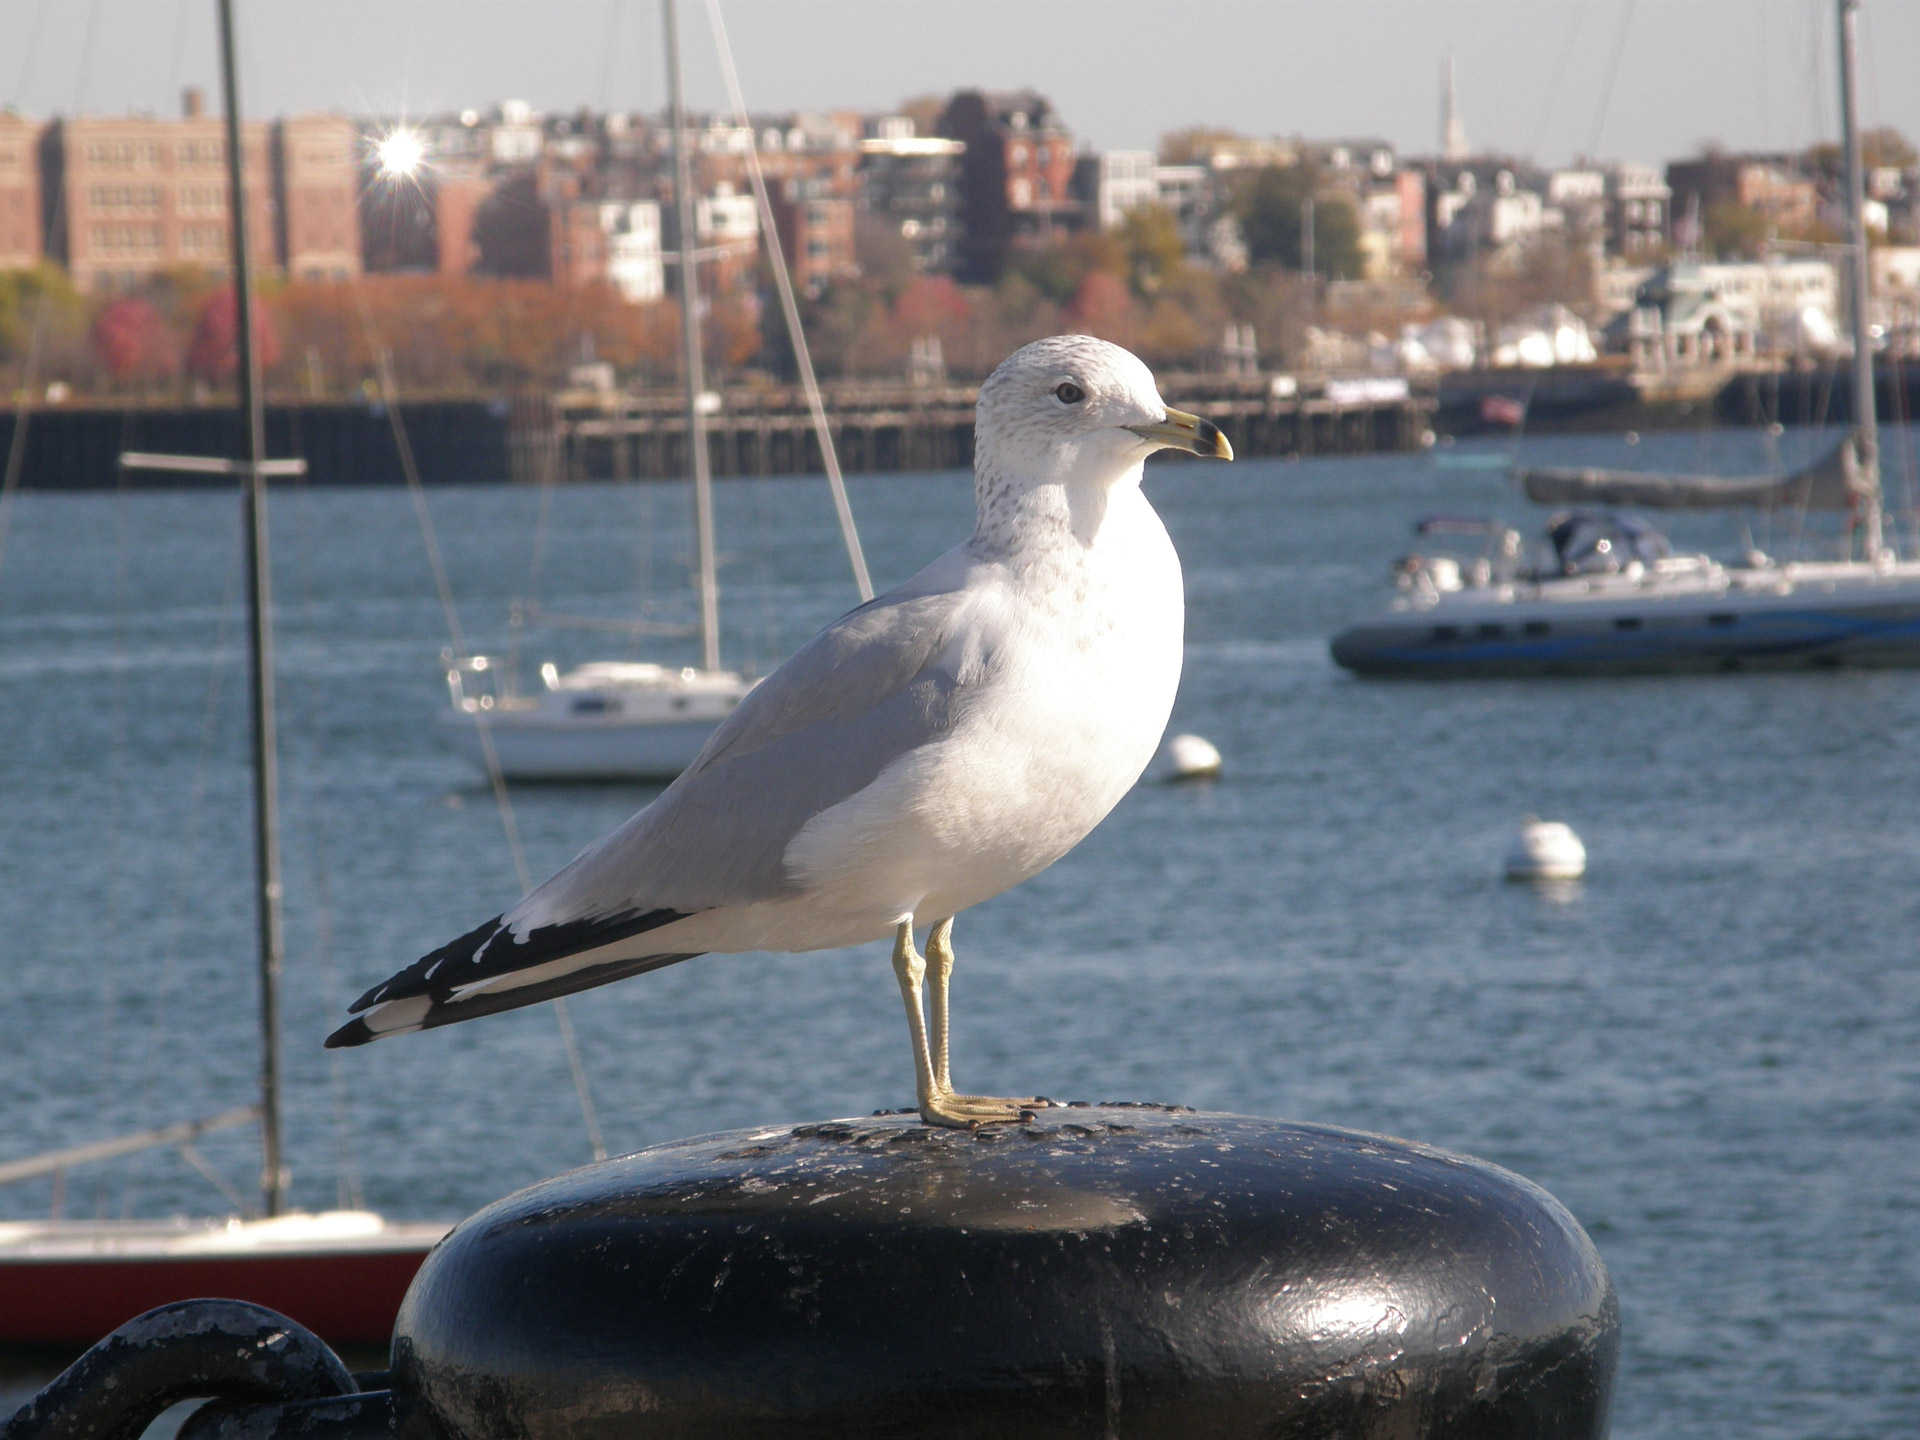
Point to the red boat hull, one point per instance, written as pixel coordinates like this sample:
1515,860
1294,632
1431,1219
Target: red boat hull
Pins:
344,1297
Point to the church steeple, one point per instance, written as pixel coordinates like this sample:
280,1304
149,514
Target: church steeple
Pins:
1453,130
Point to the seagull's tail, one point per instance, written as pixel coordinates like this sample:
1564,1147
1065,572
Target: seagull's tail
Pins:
489,969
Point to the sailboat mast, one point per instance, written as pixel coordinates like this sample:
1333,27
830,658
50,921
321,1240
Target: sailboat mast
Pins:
693,365
266,780
1865,422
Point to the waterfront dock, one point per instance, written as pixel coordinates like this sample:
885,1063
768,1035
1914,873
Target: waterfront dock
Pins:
769,430
582,435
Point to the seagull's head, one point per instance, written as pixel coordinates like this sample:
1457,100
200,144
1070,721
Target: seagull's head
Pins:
1072,409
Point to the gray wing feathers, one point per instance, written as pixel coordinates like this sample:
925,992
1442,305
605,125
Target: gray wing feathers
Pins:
877,683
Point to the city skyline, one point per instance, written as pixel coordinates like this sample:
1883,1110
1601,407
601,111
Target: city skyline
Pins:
1606,78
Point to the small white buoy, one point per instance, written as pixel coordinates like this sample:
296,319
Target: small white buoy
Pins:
1545,850
1193,758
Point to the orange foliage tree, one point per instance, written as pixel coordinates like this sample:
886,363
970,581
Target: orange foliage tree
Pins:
468,335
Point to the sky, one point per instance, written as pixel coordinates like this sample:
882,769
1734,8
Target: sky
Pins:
1550,79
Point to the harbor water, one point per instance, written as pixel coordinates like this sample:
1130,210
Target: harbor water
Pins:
1709,1048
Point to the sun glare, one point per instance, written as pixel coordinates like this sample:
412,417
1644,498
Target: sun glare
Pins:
401,154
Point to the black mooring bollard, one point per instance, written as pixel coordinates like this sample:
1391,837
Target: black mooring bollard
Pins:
1110,1271
1135,1271
229,1349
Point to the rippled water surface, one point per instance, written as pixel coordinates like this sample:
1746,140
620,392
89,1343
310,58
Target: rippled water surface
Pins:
1709,1049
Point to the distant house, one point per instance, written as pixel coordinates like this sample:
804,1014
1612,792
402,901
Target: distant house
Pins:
1639,211
1114,182
1690,314
1016,176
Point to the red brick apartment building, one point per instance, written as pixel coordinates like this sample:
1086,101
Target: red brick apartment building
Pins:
127,198
20,237
316,184
1017,175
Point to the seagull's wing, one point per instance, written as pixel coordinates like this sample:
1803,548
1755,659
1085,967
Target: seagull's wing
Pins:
879,682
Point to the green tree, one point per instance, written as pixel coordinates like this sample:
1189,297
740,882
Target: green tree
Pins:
1881,146
1155,251
1057,270
23,293
1733,231
1194,144
1271,203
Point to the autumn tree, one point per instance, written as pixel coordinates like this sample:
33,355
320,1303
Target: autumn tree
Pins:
213,354
1733,231
1271,204
42,298
131,342
1150,235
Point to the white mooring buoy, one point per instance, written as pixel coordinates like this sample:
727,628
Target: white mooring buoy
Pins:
1545,850
1192,758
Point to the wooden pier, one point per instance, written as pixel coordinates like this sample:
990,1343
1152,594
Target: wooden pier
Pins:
589,435
767,430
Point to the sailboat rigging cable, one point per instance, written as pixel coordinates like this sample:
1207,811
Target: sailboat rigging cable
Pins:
796,332
496,777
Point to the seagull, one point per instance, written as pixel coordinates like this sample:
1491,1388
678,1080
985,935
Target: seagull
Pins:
923,753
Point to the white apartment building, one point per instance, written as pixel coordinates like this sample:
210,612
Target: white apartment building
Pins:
634,263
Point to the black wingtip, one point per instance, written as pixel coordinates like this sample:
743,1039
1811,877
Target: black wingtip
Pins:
354,1032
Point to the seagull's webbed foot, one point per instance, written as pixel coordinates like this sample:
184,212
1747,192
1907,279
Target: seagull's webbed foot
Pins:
964,1112
939,1104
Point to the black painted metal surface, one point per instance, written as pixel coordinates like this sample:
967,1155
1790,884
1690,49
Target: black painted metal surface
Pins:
344,1417
231,1349
1111,1271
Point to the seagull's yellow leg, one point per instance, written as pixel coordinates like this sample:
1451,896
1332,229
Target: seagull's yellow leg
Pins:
910,970
977,1109
938,1104
940,956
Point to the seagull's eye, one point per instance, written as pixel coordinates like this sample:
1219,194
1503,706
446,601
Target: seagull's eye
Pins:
1068,393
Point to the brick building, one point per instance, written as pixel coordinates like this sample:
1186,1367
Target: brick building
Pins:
316,186
1770,185
129,197
1016,176
457,195
810,165
21,241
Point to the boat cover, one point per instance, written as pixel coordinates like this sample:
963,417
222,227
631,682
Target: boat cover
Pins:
1834,482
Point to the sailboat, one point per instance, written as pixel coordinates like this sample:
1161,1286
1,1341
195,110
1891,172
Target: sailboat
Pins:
638,720
342,1273
1610,597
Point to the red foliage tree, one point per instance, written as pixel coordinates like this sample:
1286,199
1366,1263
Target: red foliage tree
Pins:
1103,306
929,304
131,341
214,352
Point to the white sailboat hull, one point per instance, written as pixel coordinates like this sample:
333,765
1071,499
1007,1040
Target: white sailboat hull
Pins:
606,721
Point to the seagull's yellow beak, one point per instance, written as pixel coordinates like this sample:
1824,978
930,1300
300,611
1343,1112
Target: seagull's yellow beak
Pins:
1181,431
